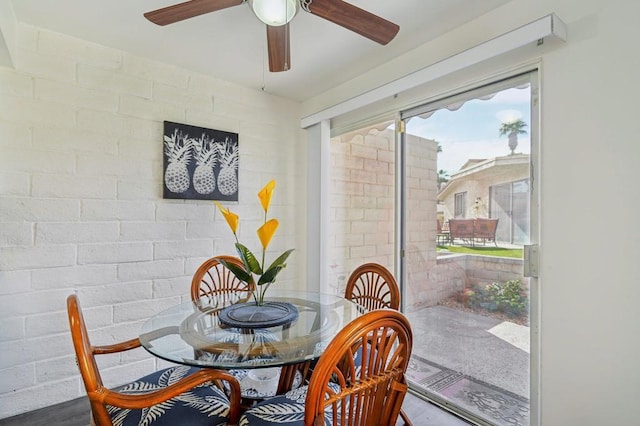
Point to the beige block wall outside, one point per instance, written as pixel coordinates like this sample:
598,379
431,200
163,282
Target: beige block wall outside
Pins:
362,215
363,207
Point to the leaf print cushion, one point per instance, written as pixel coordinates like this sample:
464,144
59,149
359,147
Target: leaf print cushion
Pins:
203,405
287,409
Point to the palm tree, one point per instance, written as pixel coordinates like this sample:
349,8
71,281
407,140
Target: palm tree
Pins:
443,177
513,129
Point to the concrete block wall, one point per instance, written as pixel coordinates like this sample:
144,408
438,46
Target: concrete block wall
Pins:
362,207
81,208
361,202
421,194
483,270
455,272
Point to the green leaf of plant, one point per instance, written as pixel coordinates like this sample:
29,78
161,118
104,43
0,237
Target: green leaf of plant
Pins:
249,259
236,270
280,260
270,275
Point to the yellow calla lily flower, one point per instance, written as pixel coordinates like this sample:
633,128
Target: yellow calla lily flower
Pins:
266,231
232,219
266,193
255,265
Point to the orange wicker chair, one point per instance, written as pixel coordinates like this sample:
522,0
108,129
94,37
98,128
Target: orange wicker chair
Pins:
372,286
359,379
171,396
212,279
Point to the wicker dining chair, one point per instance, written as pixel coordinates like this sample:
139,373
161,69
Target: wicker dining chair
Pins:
343,391
175,395
372,286
213,279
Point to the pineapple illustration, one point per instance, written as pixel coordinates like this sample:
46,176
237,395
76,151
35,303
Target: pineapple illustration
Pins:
204,181
228,176
177,148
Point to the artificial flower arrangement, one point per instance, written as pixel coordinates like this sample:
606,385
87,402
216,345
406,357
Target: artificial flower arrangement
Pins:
252,266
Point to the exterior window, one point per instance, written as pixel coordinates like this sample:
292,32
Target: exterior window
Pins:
460,204
510,204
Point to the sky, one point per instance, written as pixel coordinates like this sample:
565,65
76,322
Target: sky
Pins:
472,131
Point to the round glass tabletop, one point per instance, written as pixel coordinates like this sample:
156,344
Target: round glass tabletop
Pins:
192,334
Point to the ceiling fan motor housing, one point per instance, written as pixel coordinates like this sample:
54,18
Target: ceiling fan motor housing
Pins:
274,12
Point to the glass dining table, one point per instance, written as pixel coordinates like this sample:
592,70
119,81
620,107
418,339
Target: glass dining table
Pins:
192,333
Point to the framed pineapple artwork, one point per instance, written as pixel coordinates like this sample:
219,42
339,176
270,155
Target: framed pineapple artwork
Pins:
200,163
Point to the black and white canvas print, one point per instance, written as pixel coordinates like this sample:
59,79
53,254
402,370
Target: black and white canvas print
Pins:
200,163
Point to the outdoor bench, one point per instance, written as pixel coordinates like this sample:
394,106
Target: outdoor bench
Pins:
470,231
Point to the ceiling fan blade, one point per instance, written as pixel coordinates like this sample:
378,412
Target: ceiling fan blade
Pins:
355,19
188,9
278,46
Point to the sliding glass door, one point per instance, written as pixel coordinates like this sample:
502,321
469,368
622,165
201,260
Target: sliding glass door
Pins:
400,195
466,215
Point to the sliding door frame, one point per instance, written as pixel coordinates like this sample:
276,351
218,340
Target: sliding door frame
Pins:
529,76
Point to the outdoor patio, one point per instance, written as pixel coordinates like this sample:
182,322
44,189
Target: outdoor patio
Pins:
476,362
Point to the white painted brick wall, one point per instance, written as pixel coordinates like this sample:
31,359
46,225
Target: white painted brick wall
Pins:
169,287
69,186
113,81
25,257
142,310
117,210
111,253
79,232
145,231
47,66
46,324
73,140
27,351
53,91
187,248
14,183
14,281
22,376
152,269
55,369
12,329
74,276
12,83
17,209
81,208
18,160
16,234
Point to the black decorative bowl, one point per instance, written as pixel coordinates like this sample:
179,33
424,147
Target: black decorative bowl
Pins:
251,315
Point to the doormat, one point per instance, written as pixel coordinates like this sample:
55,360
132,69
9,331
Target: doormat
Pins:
499,406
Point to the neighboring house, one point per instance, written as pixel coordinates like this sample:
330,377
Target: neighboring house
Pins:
495,188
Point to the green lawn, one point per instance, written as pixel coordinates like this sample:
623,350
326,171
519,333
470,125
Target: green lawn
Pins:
486,251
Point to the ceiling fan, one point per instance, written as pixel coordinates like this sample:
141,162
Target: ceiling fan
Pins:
277,14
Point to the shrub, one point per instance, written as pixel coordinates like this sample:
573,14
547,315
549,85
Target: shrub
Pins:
507,297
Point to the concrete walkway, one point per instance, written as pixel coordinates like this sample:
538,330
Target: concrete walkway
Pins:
483,348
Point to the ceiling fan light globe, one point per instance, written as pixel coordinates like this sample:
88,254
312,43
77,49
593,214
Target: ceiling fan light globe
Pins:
274,12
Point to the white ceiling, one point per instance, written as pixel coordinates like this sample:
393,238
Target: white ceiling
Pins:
230,44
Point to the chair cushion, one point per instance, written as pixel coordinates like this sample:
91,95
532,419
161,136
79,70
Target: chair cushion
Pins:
202,405
285,409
